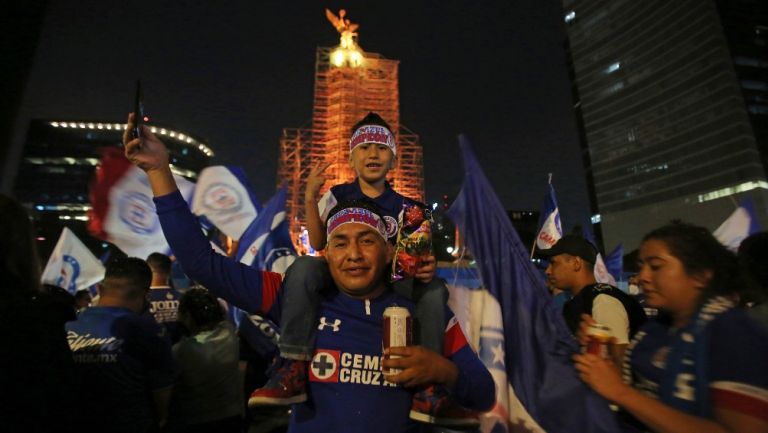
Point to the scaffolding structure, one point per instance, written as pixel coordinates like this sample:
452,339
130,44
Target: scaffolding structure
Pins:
344,93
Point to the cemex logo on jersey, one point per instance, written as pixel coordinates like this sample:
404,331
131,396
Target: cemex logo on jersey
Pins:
344,367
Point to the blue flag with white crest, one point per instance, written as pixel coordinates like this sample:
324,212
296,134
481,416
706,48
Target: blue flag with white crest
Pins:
614,262
529,344
267,244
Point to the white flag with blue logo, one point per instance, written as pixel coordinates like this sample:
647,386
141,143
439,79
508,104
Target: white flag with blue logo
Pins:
740,224
72,266
224,197
601,272
123,211
132,221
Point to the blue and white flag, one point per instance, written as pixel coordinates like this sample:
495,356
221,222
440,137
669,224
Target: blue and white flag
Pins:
551,231
123,211
602,275
738,226
525,341
267,244
72,266
223,195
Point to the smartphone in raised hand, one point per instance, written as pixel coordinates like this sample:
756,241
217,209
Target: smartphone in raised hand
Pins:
138,111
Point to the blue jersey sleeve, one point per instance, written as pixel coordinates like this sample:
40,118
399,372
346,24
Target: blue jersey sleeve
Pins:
738,356
248,288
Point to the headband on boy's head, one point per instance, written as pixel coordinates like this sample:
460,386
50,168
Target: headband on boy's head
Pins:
373,134
357,215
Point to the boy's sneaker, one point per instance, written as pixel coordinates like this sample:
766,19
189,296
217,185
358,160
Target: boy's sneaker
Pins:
433,405
286,386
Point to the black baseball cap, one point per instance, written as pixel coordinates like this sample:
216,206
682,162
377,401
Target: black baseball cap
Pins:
573,245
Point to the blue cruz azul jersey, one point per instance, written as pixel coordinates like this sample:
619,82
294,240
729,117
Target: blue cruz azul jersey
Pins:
345,374
346,389
120,357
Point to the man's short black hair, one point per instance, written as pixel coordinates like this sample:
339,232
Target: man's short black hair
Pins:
130,275
371,119
159,263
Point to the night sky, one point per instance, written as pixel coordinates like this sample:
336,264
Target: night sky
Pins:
236,72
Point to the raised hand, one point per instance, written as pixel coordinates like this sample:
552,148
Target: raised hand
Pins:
315,181
146,152
149,154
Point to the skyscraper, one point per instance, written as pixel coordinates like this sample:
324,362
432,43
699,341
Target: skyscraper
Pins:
672,104
349,83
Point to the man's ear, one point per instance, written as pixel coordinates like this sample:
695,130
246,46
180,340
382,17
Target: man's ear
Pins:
576,263
390,251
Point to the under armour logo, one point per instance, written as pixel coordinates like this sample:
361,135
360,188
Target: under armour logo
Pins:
324,323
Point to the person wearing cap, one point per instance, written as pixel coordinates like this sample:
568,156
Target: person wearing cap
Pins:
571,268
347,389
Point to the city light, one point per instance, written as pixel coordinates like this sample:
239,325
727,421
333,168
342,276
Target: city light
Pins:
119,127
725,192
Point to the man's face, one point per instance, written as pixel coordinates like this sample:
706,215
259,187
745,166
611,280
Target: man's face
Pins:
560,271
371,161
357,256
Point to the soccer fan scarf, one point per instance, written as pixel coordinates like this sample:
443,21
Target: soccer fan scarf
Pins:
687,356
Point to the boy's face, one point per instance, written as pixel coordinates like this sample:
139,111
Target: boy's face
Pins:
371,161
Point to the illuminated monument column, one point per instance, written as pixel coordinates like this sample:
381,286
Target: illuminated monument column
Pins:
348,84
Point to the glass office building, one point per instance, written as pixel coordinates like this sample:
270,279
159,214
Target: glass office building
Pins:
671,99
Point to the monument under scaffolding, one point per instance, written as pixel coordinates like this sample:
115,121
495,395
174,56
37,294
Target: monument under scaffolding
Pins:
348,84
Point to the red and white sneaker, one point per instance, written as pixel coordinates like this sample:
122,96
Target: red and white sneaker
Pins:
433,405
287,386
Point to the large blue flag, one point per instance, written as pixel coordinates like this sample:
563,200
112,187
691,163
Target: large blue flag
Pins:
614,262
266,243
535,346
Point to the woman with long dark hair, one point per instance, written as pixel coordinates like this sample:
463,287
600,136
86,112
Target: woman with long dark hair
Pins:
702,365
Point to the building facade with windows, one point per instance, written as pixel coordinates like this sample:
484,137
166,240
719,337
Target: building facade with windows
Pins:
58,164
671,99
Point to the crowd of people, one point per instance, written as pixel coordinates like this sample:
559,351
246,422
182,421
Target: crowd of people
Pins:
145,357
